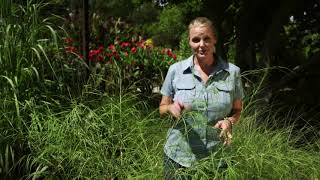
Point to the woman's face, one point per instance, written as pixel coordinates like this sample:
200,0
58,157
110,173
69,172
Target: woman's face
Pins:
202,41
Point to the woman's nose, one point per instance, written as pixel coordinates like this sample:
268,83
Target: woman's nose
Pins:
201,43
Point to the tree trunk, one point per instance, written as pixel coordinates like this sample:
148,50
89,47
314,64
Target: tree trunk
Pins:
85,32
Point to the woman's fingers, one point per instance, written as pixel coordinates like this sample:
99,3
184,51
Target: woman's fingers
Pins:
177,106
222,133
175,113
227,136
226,132
223,124
181,105
175,109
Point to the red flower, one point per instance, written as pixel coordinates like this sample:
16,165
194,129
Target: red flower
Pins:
100,58
93,53
116,56
100,48
174,56
70,49
109,54
133,50
125,54
111,47
68,40
169,52
125,44
140,44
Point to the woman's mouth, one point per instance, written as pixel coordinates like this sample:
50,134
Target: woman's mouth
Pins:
202,52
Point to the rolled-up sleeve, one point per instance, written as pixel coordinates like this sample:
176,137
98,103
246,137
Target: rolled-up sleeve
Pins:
167,87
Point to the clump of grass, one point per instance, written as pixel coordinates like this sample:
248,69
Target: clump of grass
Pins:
118,139
111,141
261,152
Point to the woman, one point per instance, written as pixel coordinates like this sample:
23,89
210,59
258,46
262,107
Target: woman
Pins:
204,94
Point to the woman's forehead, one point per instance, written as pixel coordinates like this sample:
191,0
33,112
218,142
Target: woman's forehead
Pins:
200,30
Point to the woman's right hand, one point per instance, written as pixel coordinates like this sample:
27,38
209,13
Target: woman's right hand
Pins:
175,109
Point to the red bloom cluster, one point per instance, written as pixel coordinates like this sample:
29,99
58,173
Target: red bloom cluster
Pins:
115,51
140,44
70,49
97,54
124,48
125,45
68,41
169,52
112,52
133,50
94,54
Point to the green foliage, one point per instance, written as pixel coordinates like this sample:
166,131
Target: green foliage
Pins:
311,44
168,30
118,8
184,48
22,54
109,141
120,138
192,6
231,54
31,67
144,14
7,161
29,50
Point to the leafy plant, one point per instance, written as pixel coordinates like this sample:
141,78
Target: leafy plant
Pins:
184,48
171,25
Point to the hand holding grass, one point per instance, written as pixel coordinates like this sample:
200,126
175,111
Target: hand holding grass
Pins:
175,109
226,130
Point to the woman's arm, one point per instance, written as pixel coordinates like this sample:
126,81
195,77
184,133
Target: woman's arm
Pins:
167,106
236,111
164,104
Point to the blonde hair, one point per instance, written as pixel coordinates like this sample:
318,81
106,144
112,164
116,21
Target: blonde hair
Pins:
202,21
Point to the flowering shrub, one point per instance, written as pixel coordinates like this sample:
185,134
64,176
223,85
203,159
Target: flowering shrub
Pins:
139,61
141,53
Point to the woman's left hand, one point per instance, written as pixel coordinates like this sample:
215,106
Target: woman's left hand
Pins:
226,130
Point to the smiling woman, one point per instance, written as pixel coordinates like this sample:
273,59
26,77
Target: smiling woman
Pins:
204,94
202,39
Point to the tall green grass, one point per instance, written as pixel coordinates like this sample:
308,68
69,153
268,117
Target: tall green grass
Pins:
113,140
263,151
123,138
31,69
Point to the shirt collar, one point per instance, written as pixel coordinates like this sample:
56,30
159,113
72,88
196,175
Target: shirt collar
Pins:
220,66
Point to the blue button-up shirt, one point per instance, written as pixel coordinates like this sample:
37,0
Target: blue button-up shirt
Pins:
193,136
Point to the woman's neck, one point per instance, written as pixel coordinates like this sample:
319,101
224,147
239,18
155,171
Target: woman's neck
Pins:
206,65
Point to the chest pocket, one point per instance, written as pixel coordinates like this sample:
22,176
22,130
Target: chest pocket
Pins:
224,92
185,92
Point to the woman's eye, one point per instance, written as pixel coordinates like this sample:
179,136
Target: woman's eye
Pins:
195,40
207,39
